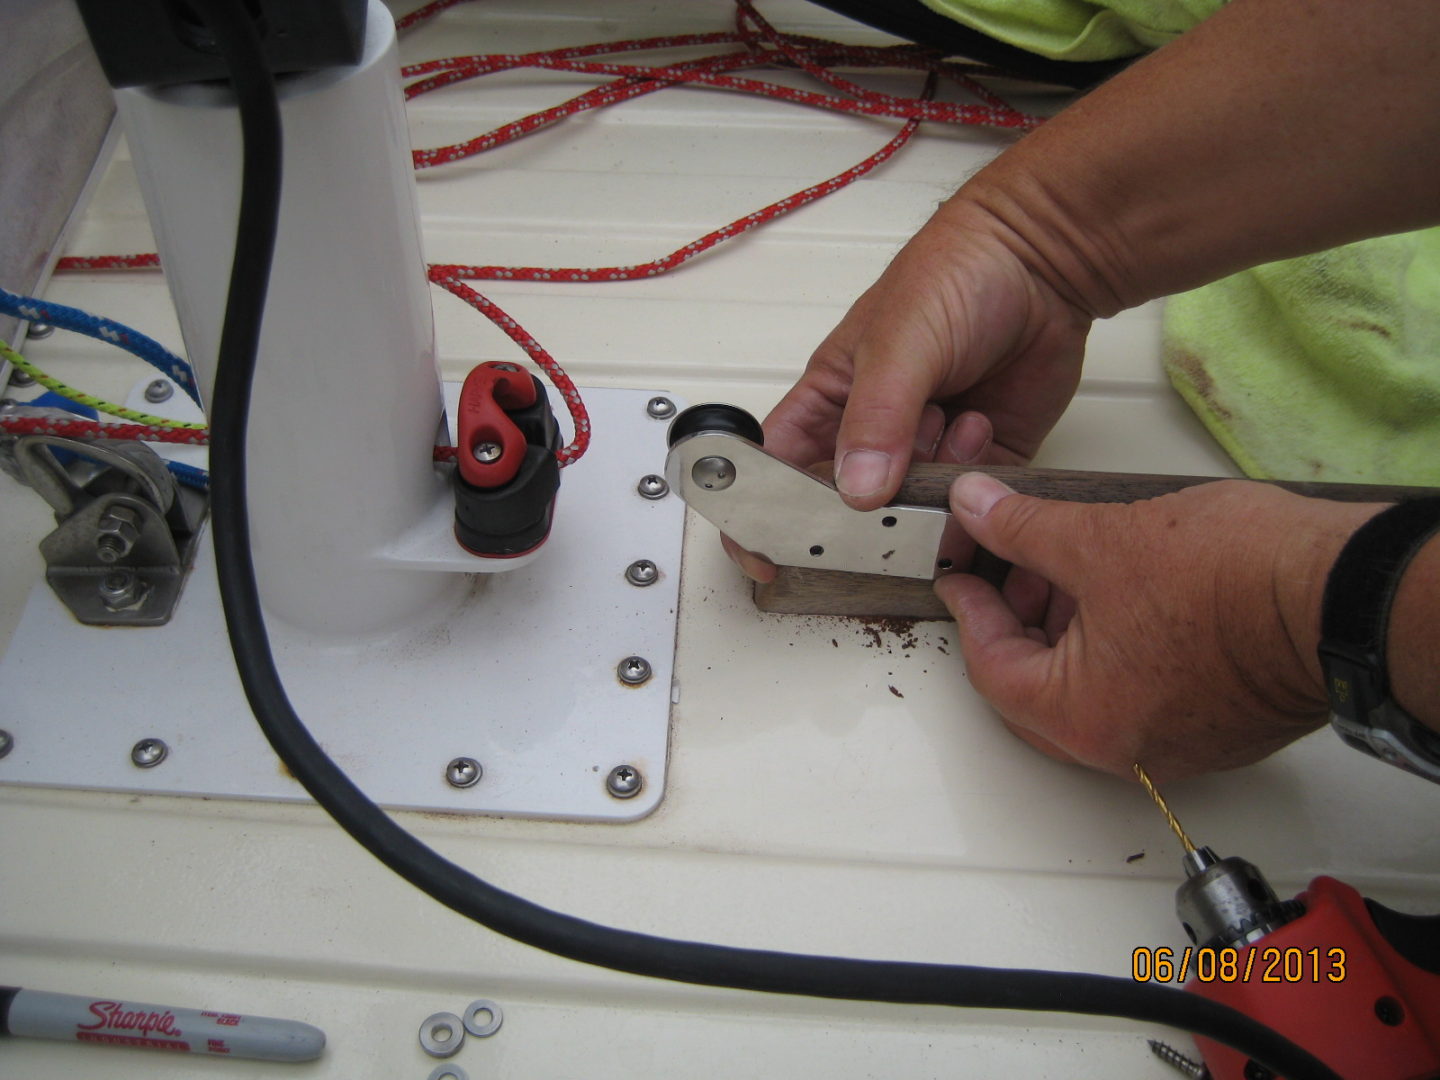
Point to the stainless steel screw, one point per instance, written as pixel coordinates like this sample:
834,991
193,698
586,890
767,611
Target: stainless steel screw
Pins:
660,408
634,670
642,572
624,782
504,367
158,390
39,331
653,486
463,772
120,589
21,378
147,753
713,473
488,452
7,742
1179,1061
116,533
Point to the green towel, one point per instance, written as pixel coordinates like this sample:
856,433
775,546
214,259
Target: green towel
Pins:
1325,367
1080,29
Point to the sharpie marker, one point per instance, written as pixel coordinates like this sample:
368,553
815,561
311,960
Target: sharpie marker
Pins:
104,1022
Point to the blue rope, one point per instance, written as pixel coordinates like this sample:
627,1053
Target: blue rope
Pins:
189,475
102,329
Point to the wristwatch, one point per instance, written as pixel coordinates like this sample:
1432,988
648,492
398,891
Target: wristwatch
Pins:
1354,616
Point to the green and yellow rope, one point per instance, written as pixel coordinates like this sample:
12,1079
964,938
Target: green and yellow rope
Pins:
79,396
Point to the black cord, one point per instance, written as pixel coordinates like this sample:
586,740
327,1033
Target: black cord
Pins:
912,20
457,888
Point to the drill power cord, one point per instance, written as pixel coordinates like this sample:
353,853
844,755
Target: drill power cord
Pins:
457,888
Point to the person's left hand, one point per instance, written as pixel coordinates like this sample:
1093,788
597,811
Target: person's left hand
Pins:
1178,632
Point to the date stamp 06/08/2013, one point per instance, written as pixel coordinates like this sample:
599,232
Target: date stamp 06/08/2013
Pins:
1260,964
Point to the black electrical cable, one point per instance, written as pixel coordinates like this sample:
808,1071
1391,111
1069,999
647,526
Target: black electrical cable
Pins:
457,888
913,21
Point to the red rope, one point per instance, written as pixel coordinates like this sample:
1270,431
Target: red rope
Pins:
148,261
669,262
90,430
536,352
762,45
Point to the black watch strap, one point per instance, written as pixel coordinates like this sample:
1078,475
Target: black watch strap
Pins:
1354,617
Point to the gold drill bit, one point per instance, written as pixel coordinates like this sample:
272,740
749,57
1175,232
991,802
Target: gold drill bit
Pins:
1164,809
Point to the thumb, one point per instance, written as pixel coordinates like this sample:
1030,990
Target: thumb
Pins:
1042,535
880,430
1007,665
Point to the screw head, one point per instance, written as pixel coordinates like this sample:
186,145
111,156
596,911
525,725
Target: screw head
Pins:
653,486
713,473
39,331
504,367
7,742
21,378
642,572
624,782
488,452
147,753
660,408
158,390
463,772
634,671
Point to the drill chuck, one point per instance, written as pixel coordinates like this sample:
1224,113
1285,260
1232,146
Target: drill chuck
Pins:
1227,903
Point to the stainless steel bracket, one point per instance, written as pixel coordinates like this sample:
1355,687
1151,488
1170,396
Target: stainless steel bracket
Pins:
795,518
126,532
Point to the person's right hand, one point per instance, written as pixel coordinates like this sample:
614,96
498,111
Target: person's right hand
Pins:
1181,632
966,350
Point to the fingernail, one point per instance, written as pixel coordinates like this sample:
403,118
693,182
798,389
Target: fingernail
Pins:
930,431
925,443
862,472
976,493
968,440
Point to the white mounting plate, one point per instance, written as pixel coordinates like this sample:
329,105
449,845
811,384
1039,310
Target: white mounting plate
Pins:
516,670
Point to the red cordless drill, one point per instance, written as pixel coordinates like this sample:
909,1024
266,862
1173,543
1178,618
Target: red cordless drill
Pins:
1353,982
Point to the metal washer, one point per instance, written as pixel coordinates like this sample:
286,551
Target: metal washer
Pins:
489,1027
448,1072
436,1046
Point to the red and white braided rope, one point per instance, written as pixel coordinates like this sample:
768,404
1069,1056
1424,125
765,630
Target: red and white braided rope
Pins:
762,45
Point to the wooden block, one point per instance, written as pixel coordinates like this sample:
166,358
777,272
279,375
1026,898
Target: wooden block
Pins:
799,590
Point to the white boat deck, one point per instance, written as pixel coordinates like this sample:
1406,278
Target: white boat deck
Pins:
833,788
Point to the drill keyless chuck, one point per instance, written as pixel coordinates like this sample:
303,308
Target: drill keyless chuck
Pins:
1227,903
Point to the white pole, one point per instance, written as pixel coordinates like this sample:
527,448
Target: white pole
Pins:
347,397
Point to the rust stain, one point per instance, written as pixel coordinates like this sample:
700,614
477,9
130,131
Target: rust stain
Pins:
1193,368
1369,328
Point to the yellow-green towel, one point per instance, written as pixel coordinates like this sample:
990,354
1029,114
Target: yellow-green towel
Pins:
1325,367
1080,29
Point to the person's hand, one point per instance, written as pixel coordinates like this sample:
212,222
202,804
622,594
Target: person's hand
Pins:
959,353
1179,632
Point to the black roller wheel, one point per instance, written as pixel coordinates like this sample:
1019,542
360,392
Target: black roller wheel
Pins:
715,417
